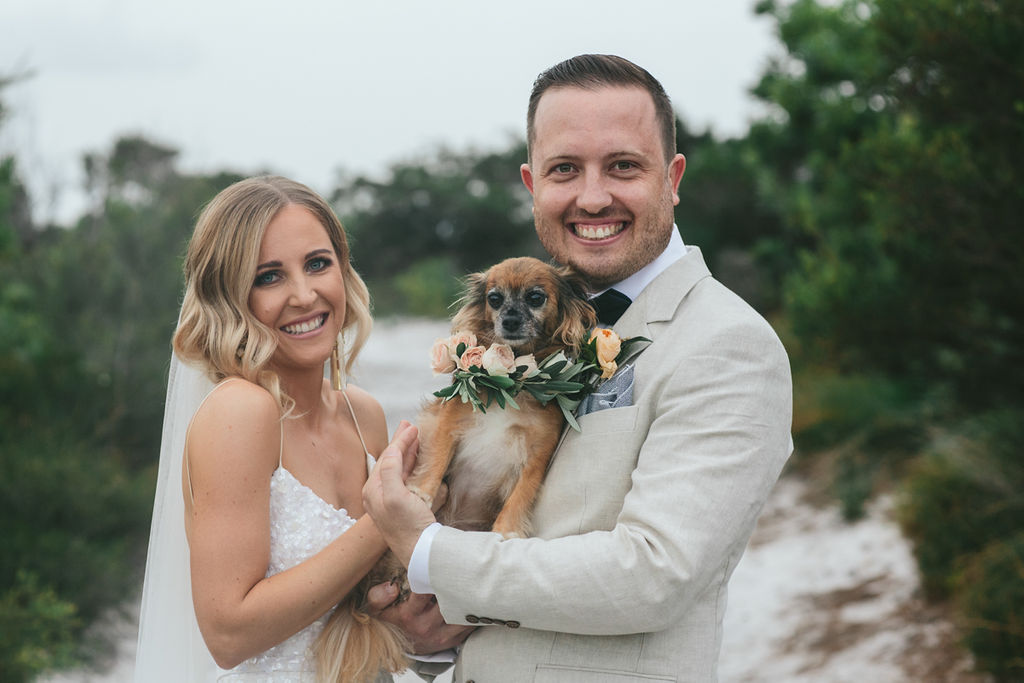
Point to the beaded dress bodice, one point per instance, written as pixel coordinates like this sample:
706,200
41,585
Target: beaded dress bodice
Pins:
301,525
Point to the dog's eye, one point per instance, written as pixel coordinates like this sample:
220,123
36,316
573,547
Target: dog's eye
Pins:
536,299
495,299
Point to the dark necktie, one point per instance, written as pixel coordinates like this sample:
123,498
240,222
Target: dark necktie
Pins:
610,306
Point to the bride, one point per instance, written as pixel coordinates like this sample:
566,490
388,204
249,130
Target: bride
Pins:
261,458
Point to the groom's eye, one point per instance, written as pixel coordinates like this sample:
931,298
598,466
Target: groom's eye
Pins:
495,300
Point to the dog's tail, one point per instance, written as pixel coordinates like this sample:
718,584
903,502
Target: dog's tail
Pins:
355,647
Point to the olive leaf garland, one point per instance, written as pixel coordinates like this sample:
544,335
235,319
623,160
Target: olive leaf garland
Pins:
557,378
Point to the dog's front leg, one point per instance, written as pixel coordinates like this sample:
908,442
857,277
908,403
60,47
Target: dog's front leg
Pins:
437,448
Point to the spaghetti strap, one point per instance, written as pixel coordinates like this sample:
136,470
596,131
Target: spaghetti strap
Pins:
369,458
280,448
188,471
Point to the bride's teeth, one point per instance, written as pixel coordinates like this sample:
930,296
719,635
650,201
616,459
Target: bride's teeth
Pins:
307,326
592,232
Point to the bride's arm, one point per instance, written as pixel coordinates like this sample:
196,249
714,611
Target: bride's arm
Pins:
233,451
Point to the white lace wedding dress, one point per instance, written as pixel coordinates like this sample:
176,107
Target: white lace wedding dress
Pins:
301,525
171,649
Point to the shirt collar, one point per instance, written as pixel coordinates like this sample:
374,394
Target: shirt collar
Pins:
635,283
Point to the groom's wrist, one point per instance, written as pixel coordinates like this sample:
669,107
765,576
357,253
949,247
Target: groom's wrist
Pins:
419,560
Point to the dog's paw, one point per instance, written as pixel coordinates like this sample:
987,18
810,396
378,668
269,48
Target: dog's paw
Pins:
404,590
422,495
509,528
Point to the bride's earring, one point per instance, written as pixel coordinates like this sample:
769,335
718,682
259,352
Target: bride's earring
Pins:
337,378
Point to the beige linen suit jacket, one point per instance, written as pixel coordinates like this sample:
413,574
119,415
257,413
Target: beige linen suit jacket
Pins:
643,515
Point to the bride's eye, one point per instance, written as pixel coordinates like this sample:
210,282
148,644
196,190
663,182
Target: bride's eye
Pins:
267,277
318,264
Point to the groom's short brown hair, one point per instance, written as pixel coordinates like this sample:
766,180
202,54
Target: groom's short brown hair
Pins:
596,71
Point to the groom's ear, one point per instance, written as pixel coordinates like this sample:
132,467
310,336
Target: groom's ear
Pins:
527,176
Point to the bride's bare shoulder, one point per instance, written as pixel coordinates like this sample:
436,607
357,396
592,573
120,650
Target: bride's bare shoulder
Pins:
237,416
239,398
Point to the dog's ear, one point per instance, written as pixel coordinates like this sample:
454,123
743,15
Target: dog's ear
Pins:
471,302
575,312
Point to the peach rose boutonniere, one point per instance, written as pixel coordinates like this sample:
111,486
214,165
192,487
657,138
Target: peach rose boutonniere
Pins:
605,351
482,376
607,345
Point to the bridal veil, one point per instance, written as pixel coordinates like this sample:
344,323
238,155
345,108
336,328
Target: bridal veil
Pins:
170,647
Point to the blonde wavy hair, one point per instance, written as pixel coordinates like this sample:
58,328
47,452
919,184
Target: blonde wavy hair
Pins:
216,329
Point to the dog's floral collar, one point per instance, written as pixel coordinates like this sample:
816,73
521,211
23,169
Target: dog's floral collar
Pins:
501,375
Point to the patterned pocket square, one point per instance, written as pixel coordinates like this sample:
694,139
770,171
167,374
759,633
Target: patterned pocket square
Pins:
615,392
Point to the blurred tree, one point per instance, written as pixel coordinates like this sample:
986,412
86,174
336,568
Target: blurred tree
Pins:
430,222
722,210
895,151
896,148
116,279
86,315
459,212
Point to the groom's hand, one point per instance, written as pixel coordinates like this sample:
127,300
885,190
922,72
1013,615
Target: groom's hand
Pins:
419,618
399,515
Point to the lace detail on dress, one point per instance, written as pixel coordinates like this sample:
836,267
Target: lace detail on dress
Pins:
301,525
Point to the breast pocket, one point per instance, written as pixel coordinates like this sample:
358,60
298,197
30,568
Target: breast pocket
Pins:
563,674
608,421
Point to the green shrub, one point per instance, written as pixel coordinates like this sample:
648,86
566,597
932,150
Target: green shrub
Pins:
73,522
428,288
881,412
854,482
867,425
965,494
944,514
991,604
36,630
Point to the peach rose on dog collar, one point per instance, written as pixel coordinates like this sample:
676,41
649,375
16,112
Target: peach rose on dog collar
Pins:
499,360
472,357
444,354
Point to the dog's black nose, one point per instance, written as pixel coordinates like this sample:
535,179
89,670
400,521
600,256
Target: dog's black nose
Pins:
512,321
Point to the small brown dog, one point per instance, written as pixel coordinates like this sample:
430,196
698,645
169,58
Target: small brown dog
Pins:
493,462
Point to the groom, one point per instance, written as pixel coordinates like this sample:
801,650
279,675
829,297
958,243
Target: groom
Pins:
646,511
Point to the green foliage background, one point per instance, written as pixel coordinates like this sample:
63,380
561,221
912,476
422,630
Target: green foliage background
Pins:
872,213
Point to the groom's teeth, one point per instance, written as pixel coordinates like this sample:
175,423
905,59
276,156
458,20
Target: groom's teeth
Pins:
597,232
307,326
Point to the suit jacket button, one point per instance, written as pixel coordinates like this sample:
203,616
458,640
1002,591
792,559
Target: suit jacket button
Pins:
473,619
486,620
512,624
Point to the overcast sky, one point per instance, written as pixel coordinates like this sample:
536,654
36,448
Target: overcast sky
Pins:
306,87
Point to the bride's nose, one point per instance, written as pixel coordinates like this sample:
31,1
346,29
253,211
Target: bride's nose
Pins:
303,293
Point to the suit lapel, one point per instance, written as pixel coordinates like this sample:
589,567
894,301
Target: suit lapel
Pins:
659,301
